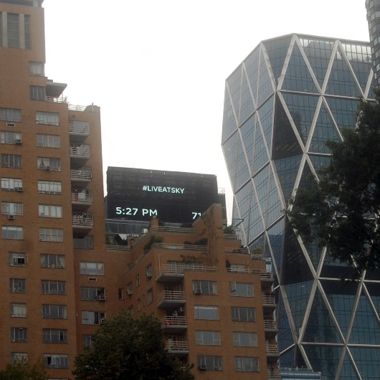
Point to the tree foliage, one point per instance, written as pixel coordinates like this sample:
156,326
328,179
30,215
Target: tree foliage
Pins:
129,348
342,211
23,370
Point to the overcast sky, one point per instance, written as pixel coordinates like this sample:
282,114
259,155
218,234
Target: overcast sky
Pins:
157,67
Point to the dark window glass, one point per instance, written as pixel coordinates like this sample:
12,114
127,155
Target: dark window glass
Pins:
13,30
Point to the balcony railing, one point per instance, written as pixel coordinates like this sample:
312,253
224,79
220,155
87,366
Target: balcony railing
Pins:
270,325
83,220
190,247
269,301
175,271
174,322
272,349
174,346
80,128
81,198
172,297
84,174
80,151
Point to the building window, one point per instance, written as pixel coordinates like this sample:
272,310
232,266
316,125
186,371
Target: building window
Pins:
47,118
11,161
55,336
48,141
18,334
18,310
50,211
13,30
243,314
10,138
49,260
27,38
241,289
49,187
19,357
11,115
37,68
210,363
87,341
54,235
206,312
208,338
11,184
12,233
91,269
56,361
53,311
205,287
92,294
17,259
37,93
244,339
11,208
17,285
130,288
53,287
49,164
246,364
92,317
149,271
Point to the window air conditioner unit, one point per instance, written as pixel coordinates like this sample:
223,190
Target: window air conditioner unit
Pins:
101,321
233,286
19,189
197,292
202,367
10,124
101,297
92,279
18,141
129,292
11,217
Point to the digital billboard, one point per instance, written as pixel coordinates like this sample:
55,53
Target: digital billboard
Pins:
174,197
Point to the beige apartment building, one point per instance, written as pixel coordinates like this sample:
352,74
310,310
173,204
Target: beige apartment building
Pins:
59,278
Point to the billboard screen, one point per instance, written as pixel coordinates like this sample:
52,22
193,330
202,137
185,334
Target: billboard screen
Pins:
175,197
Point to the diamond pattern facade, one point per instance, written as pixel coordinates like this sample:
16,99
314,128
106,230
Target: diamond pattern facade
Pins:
282,104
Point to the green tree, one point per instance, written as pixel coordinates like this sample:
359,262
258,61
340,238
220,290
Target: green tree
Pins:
23,370
129,348
342,211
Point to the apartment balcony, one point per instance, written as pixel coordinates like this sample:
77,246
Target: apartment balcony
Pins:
177,346
269,302
175,271
171,299
271,350
270,326
79,130
174,324
81,198
266,277
83,221
80,152
81,175
274,374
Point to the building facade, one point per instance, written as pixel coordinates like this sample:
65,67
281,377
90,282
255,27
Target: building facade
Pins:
60,279
52,216
282,104
215,302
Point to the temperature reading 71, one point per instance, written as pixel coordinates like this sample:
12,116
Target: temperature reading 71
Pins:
196,214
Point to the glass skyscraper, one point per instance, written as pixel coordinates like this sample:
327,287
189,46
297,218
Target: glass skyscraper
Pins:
373,18
283,102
